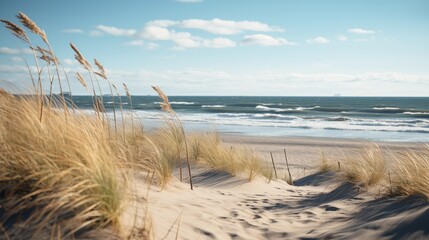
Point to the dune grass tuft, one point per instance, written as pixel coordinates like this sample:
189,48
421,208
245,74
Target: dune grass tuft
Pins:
209,150
410,173
60,170
368,168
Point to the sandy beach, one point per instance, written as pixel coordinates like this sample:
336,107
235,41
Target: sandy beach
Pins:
318,206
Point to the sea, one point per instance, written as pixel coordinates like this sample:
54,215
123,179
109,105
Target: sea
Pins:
371,118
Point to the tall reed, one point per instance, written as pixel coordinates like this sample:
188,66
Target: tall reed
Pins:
165,105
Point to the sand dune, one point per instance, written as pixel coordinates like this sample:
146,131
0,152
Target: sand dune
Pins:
318,206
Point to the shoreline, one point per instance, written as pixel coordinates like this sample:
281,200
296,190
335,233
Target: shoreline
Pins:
310,140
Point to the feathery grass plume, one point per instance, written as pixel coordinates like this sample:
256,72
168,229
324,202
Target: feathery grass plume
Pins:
21,34
120,107
165,105
102,74
16,30
32,26
368,169
410,173
79,57
85,64
46,55
81,80
127,92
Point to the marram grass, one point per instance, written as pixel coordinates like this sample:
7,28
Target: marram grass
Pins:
59,170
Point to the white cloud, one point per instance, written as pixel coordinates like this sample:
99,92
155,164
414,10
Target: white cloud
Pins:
342,38
155,33
186,40
69,62
189,1
16,59
183,40
15,51
166,30
95,33
360,31
227,27
216,25
116,31
265,40
72,30
135,43
219,43
213,82
318,40
162,23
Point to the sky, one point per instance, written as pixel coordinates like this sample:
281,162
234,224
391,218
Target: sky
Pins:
224,47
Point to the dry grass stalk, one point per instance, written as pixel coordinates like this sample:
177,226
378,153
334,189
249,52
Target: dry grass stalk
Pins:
79,57
325,165
81,80
120,107
127,92
21,34
410,173
16,30
98,105
211,152
165,105
102,72
32,26
367,169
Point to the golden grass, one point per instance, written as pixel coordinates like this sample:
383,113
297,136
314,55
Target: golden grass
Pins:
326,164
208,150
406,176
368,168
58,171
409,175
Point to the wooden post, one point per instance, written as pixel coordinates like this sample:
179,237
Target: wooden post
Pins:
287,165
339,166
274,165
390,182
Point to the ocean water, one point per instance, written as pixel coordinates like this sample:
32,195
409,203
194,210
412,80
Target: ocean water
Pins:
372,118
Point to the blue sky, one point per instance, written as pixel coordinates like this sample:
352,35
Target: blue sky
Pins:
240,47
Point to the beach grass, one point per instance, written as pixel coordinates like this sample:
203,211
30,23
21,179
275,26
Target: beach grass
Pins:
59,170
409,175
368,168
208,149
405,176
